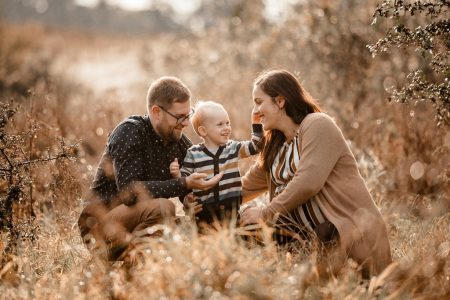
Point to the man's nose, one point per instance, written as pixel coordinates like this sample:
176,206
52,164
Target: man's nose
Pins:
185,122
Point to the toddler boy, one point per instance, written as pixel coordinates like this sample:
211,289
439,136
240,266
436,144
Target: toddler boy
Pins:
217,154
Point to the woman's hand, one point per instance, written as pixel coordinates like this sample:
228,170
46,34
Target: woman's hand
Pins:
191,204
251,215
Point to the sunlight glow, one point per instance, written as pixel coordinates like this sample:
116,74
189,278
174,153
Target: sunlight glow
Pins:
181,6
274,8
417,170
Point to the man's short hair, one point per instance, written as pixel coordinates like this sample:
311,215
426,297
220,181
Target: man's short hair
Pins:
167,90
201,113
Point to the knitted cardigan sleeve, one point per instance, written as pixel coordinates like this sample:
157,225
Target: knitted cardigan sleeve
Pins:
254,182
322,143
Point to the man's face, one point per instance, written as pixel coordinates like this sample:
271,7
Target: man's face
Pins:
172,120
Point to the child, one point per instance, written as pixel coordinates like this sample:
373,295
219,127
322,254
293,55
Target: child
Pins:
217,154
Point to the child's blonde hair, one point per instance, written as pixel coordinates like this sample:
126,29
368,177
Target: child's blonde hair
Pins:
200,114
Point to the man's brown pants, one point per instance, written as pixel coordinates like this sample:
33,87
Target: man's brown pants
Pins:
108,232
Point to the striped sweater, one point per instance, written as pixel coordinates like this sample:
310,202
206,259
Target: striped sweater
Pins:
199,159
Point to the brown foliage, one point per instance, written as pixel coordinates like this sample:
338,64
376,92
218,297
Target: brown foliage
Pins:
401,153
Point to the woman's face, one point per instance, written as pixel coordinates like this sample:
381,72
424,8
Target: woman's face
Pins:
267,110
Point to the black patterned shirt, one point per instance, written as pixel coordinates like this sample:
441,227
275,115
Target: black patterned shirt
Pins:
136,156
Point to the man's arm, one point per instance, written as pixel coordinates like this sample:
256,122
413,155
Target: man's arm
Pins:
127,150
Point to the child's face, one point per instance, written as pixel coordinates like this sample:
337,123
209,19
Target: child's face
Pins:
217,127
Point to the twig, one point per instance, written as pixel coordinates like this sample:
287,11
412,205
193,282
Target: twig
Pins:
10,171
30,151
7,158
41,160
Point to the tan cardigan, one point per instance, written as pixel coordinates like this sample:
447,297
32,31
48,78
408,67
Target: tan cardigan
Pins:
328,172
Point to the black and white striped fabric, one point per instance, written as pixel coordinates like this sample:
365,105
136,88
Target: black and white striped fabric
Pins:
308,215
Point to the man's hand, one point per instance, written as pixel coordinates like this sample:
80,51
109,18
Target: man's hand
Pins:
191,204
197,181
175,169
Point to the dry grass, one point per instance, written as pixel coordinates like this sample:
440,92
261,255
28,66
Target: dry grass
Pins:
181,265
385,138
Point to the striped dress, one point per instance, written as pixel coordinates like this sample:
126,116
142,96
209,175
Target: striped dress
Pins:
226,196
307,216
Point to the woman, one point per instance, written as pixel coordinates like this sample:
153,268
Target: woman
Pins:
311,175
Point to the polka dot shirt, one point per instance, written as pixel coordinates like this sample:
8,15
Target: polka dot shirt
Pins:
135,156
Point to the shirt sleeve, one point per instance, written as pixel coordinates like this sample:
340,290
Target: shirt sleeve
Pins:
188,166
322,145
254,182
166,188
252,147
127,150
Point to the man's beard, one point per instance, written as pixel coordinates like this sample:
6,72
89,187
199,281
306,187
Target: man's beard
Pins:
170,135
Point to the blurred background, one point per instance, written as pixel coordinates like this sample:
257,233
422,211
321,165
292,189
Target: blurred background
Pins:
92,61
75,68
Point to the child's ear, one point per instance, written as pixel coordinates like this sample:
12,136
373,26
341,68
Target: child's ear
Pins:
202,131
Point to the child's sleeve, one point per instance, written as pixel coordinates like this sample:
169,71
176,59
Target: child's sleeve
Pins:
188,164
252,147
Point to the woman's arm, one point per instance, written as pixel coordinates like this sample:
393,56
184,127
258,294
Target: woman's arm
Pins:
322,145
254,182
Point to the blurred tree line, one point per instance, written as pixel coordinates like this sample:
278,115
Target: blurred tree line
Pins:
102,18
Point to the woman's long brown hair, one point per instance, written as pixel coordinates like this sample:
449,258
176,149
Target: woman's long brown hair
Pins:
298,104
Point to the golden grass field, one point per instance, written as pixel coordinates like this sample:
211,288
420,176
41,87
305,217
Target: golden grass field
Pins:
79,85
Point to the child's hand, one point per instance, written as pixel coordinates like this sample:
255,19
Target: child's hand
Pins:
175,169
191,204
256,118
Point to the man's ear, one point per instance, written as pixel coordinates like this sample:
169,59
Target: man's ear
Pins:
202,131
155,111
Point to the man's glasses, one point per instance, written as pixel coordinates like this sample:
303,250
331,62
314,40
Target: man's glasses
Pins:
179,119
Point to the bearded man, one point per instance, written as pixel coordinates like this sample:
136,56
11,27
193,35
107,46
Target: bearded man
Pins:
132,184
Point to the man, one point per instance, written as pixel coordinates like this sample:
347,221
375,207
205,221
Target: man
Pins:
133,181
